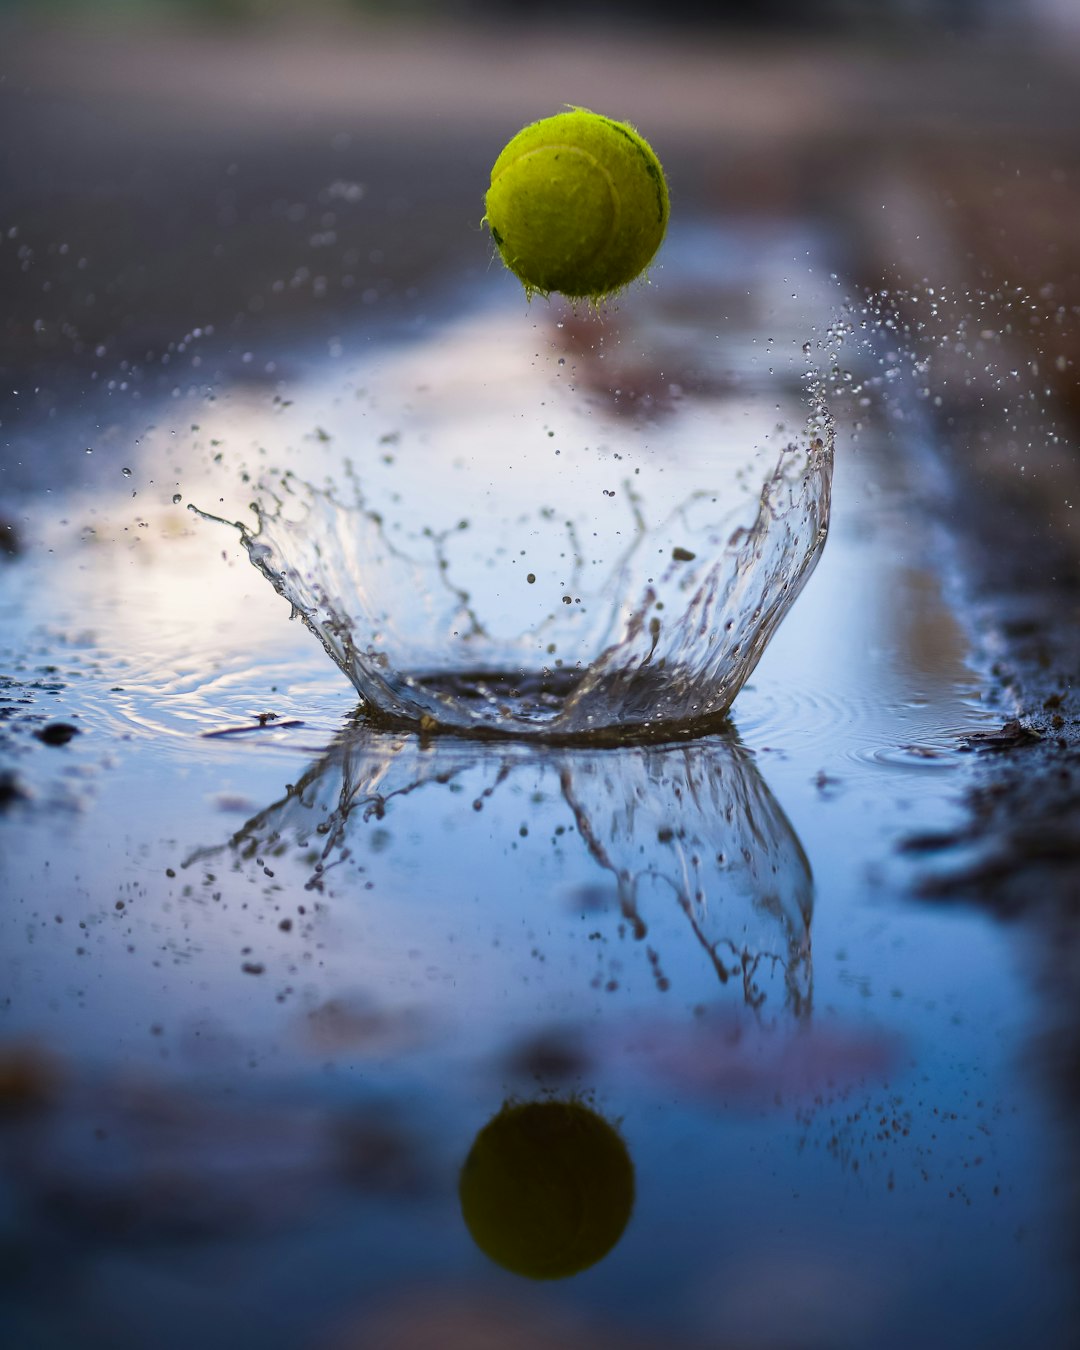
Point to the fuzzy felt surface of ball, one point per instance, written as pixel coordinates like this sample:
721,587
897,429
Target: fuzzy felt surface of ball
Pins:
578,203
547,1188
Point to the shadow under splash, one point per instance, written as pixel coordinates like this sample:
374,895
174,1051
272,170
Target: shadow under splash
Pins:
688,835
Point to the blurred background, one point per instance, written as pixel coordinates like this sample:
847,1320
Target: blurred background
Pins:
172,163
263,166
260,180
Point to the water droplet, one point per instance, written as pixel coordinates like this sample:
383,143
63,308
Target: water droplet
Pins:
126,473
177,499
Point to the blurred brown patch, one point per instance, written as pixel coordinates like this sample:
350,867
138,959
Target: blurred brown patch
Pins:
30,1079
440,1319
353,1022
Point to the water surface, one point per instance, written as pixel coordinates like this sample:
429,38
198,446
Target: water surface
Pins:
268,969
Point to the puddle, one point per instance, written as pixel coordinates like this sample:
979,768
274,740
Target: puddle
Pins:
269,969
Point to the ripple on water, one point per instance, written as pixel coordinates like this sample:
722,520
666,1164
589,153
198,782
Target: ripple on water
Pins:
856,728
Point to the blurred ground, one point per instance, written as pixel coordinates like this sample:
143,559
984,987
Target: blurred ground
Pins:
152,152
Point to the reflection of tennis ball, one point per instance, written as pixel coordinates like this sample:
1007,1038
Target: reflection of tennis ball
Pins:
578,204
547,1188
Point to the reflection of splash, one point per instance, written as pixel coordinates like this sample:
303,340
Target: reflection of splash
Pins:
691,823
717,841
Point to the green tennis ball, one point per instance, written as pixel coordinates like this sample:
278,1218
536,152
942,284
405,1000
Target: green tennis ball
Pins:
578,204
547,1188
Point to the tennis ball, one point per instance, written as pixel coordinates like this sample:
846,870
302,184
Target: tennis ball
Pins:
547,1188
578,204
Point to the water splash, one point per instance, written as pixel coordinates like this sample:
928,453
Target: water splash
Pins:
471,581
689,640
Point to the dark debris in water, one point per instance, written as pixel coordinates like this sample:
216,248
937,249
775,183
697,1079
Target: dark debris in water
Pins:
10,542
1012,736
31,730
553,1055
263,722
57,733
12,789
